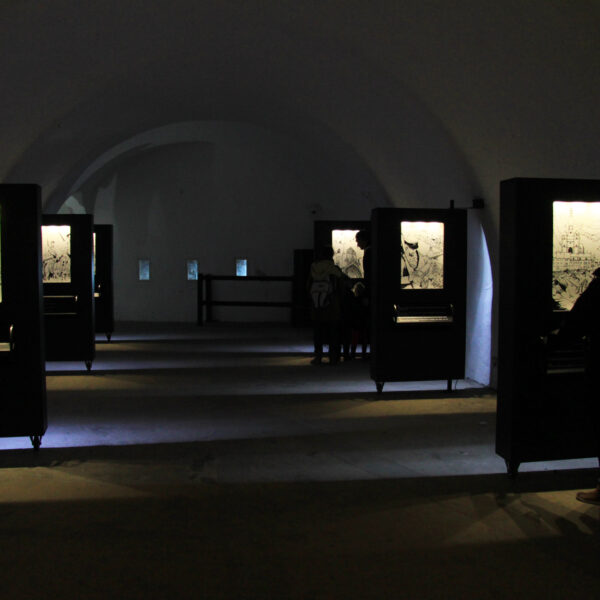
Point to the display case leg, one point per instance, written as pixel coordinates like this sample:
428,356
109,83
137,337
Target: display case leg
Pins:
88,365
449,385
36,441
512,468
379,386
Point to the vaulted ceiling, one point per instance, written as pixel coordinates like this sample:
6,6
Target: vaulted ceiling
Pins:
439,99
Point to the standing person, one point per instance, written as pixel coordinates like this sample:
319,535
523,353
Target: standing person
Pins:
363,241
357,320
347,305
325,289
584,320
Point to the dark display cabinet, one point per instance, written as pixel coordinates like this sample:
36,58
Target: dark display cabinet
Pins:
67,275
103,280
549,246
341,235
418,295
22,376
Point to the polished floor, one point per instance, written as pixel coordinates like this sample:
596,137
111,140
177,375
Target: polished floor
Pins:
216,462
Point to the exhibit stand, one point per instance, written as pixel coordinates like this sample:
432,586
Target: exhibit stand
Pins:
549,248
103,280
67,275
22,372
418,295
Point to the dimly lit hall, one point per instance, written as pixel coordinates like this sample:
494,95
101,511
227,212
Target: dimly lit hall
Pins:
169,172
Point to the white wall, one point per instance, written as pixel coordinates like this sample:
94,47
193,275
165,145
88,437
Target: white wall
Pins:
241,192
480,289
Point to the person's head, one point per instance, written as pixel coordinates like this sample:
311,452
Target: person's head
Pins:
324,253
363,239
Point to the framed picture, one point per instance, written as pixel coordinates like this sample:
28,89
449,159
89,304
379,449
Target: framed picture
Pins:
422,255
575,249
56,253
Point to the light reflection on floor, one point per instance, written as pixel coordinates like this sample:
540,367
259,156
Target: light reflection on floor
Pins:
250,400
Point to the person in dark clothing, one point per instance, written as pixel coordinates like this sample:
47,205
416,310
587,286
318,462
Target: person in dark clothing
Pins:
358,320
348,301
325,289
583,320
363,241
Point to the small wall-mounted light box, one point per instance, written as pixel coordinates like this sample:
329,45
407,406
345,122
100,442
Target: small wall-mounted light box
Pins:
241,267
144,269
192,269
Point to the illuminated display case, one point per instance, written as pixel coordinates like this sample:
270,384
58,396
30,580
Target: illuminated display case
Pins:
103,280
549,247
418,295
341,236
22,361
68,287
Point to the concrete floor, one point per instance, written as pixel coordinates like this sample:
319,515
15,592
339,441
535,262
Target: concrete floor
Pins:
216,462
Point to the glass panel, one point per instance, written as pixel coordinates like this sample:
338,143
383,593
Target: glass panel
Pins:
144,269
346,253
56,253
422,255
192,270
241,267
576,249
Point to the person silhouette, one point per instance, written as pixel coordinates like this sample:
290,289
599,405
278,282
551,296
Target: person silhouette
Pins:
583,320
325,290
363,241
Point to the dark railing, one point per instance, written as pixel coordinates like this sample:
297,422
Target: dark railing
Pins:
205,294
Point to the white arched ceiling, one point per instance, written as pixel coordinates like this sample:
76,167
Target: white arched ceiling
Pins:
495,74
440,99
342,166
101,74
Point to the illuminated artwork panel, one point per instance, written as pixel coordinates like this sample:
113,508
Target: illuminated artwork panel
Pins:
241,267
56,253
346,253
192,270
575,249
144,269
422,255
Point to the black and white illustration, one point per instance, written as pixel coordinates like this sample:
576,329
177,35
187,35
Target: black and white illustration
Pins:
56,253
576,249
422,255
346,253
